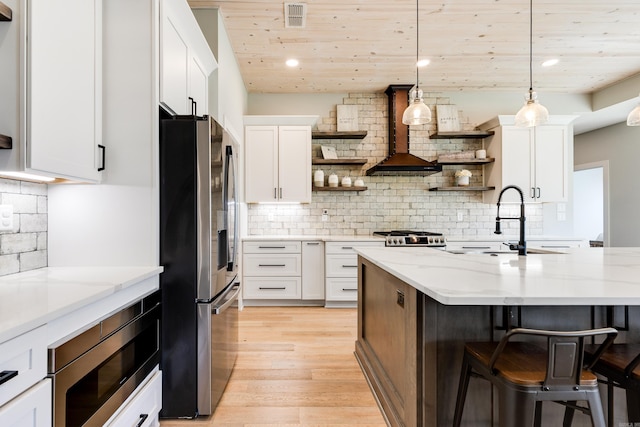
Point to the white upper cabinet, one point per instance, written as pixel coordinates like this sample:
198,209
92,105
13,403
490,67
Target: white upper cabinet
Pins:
278,164
56,95
186,61
536,159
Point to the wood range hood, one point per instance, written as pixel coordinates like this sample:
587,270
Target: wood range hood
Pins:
399,160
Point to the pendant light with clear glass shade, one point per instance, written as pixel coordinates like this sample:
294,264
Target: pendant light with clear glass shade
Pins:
417,113
633,119
533,113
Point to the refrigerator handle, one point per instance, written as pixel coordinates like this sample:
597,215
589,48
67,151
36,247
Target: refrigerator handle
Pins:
219,308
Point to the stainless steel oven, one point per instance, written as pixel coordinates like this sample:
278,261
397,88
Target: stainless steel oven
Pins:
95,372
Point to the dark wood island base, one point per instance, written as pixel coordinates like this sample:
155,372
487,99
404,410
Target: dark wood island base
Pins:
410,348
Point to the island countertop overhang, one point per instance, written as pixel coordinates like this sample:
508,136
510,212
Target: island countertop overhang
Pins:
581,276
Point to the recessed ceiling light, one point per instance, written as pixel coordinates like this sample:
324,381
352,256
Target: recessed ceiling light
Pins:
423,63
292,62
550,62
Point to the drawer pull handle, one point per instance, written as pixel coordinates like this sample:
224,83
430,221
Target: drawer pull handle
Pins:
272,265
349,266
274,288
347,247
349,289
556,246
7,375
271,247
476,247
142,419
313,243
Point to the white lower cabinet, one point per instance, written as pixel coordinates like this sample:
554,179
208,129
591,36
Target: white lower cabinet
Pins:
30,409
284,270
550,244
313,270
25,398
142,408
477,246
341,272
23,362
272,270
557,244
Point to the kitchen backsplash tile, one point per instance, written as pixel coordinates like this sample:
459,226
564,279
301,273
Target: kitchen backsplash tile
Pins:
391,202
25,247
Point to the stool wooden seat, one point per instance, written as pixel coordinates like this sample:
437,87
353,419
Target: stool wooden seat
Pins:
619,364
526,374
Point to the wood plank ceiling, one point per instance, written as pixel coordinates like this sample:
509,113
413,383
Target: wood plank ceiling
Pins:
365,45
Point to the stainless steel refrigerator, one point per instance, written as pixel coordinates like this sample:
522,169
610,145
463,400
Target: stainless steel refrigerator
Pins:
199,285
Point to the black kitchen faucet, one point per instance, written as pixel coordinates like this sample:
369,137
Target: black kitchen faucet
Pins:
522,245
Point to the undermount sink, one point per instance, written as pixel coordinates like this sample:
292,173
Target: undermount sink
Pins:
530,251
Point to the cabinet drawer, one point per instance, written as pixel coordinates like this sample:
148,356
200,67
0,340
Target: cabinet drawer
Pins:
342,265
342,289
23,362
272,288
476,246
143,407
31,408
272,265
347,246
557,244
274,247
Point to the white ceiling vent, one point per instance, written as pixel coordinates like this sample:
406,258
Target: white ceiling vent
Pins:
295,15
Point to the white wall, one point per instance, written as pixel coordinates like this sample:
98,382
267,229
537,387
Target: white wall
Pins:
620,145
474,107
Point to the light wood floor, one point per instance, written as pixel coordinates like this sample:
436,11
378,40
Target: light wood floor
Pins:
295,368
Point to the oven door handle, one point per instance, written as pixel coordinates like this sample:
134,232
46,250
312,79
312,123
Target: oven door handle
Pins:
226,299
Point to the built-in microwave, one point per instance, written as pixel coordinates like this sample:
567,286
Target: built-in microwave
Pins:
96,371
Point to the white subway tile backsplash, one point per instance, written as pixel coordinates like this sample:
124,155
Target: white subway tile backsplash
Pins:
33,260
18,243
9,264
25,247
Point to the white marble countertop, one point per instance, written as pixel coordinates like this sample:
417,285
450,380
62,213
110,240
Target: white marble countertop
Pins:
315,238
580,276
36,297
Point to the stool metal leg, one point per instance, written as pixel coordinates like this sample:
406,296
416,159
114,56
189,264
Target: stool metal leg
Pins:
633,405
465,374
516,409
595,407
568,414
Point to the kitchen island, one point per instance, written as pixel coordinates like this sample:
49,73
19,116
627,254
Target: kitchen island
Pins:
417,307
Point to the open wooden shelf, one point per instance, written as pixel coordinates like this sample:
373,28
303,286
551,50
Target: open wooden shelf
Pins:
462,188
467,134
318,161
5,12
314,188
467,161
6,142
358,134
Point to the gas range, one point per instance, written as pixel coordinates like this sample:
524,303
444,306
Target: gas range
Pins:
412,238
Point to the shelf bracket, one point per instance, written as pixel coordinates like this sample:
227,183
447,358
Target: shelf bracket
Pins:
5,12
6,142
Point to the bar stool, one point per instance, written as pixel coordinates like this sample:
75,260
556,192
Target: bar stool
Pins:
619,365
526,374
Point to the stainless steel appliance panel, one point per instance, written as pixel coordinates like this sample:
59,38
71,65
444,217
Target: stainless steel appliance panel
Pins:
217,330
198,231
93,374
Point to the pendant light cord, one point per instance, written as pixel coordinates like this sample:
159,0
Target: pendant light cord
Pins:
530,47
417,48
